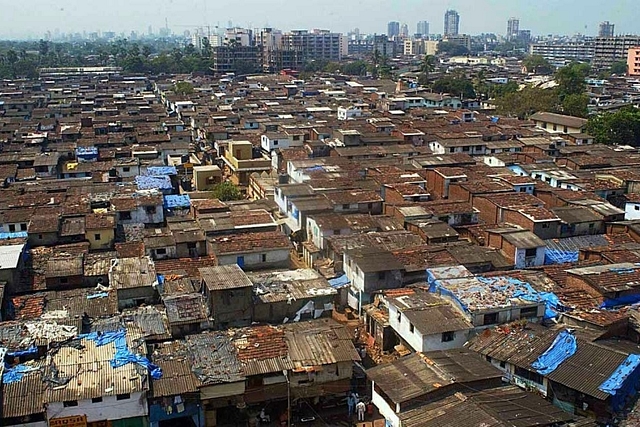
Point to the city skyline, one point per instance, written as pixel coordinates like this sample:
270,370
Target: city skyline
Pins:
481,16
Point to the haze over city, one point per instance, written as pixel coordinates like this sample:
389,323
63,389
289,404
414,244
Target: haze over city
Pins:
34,18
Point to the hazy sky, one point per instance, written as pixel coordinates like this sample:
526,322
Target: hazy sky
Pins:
34,17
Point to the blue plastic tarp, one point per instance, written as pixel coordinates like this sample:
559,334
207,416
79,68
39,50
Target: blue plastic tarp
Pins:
563,347
13,374
160,171
31,351
621,301
339,282
555,256
15,235
620,375
123,355
177,201
98,295
153,182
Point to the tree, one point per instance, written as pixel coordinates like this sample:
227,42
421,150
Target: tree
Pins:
528,101
619,128
375,58
619,68
427,67
576,105
355,68
183,88
570,79
537,64
452,49
455,85
226,191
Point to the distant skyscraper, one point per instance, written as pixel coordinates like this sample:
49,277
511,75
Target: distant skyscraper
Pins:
423,28
404,30
451,23
393,29
513,28
606,29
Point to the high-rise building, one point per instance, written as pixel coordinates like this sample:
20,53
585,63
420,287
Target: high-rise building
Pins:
451,23
513,28
314,45
606,29
393,29
404,30
423,28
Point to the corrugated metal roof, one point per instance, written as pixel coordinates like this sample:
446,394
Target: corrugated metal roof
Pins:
24,397
10,256
132,273
224,277
214,358
177,376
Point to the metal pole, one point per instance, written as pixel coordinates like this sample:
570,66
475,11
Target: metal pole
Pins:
286,376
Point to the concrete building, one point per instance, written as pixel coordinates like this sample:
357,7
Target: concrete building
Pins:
451,23
513,28
315,44
606,29
612,49
568,51
633,61
461,39
422,29
393,29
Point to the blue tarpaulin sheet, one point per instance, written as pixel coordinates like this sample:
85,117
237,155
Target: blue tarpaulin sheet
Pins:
562,348
13,374
160,171
526,292
339,282
555,256
621,301
98,295
31,351
624,382
123,355
153,182
87,151
15,235
177,201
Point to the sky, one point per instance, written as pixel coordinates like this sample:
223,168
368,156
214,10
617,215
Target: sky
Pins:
20,19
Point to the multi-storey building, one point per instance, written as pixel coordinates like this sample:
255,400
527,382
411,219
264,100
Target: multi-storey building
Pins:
423,29
451,23
314,45
612,49
513,28
565,51
238,59
606,29
633,61
393,29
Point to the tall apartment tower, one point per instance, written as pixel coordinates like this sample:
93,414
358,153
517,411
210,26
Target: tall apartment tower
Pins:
393,29
451,23
423,28
513,28
606,29
404,30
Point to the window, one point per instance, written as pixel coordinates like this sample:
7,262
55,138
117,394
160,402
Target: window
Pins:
381,275
529,312
636,207
150,209
23,227
345,206
161,251
452,150
125,215
126,169
96,400
555,127
448,336
503,365
591,226
97,236
566,130
528,375
275,143
530,253
264,257
40,237
12,228
64,280
191,245
124,396
411,328
545,225
490,319
399,317
466,148
69,403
